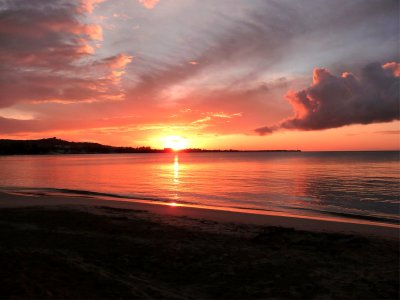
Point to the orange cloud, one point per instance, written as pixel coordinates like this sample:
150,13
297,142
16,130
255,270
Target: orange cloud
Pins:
119,61
394,67
114,67
88,5
149,4
93,31
213,116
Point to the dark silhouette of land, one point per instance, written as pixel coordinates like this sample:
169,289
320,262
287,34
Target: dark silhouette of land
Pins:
58,146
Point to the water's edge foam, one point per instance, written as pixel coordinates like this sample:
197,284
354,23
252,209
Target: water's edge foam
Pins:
74,192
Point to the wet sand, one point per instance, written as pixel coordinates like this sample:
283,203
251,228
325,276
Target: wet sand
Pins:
67,247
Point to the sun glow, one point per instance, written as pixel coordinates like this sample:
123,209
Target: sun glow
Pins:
175,142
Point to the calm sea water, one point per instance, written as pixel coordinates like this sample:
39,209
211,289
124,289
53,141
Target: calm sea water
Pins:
358,185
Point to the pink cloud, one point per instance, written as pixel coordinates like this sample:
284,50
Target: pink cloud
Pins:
393,67
149,4
118,61
48,55
88,5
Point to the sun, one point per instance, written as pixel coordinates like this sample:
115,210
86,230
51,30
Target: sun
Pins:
175,142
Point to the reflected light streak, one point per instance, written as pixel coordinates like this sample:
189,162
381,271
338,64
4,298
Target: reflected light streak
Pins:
176,169
176,178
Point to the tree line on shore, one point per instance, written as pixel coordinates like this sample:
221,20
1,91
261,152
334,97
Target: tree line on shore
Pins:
58,146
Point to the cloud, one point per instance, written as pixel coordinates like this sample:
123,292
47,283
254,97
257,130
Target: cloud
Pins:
212,116
149,4
230,40
62,63
394,132
118,61
47,54
88,5
393,67
335,101
96,82
116,67
48,31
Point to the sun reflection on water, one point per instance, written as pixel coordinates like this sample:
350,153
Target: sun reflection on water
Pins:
175,179
176,169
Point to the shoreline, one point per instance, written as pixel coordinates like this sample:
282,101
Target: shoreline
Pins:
271,218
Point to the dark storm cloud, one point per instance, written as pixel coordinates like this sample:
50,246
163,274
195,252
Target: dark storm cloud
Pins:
334,101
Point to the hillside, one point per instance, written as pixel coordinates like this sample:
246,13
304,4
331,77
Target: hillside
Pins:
58,146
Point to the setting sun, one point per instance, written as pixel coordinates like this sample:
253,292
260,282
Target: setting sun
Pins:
175,142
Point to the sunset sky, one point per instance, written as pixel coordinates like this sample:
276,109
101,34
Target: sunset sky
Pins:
310,75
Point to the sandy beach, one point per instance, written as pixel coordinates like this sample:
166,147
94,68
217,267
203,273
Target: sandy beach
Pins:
67,247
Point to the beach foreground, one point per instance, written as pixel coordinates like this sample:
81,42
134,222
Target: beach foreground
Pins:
101,251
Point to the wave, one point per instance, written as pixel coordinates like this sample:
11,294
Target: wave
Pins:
366,217
76,192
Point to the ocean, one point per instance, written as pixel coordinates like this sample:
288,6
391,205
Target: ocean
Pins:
346,185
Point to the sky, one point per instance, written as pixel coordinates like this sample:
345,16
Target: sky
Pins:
227,74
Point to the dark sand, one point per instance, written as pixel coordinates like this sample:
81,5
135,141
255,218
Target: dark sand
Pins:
99,250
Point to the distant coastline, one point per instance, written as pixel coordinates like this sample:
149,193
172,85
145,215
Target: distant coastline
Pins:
58,146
